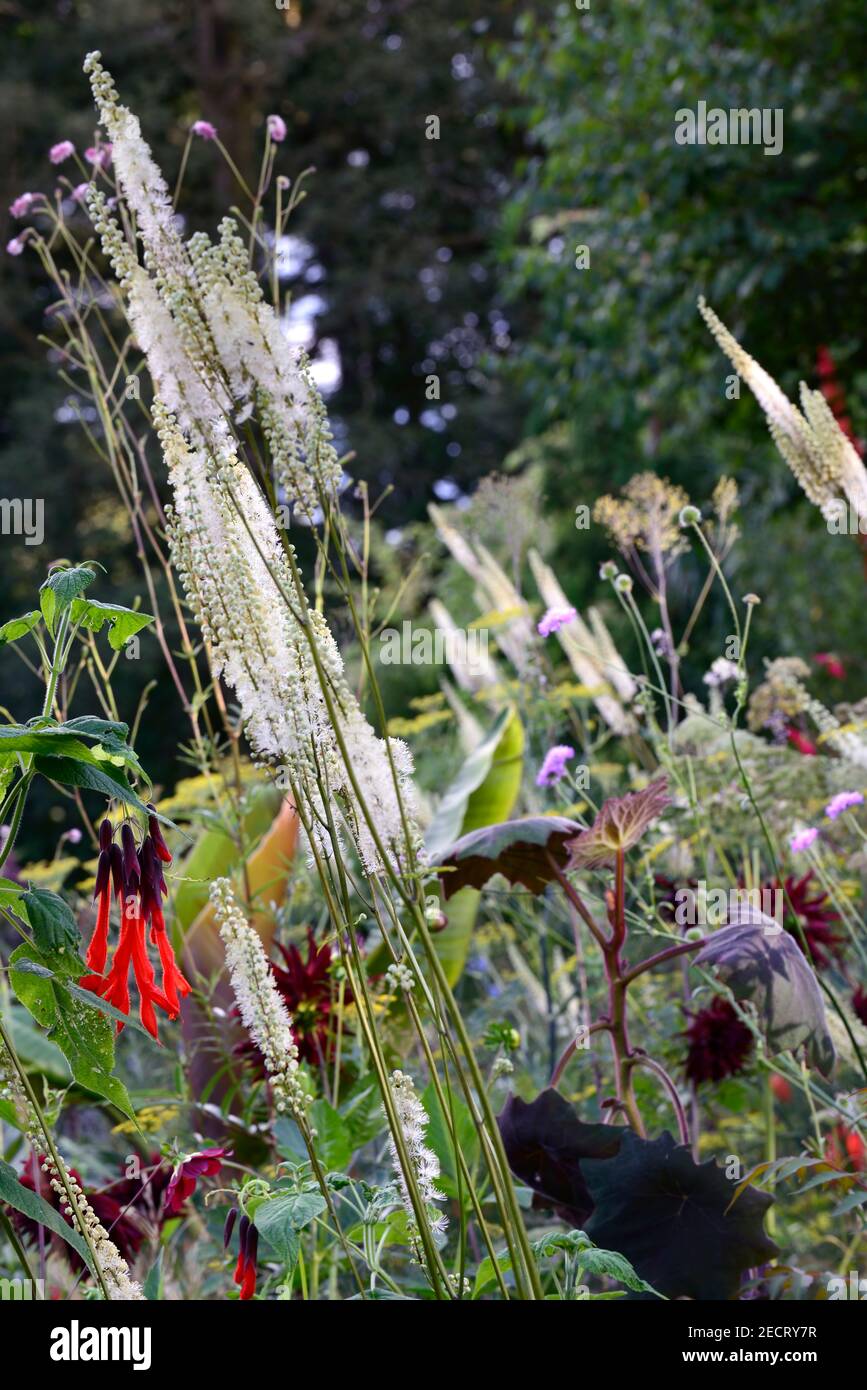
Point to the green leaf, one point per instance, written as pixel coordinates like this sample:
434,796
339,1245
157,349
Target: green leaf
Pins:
449,820
123,622
19,627
26,966
440,1140
55,930
487,792
65,740
153,1284
83,1033
333,1139
30,1204
74,772
603,1263
279,1220
35,1049
67,584
517,849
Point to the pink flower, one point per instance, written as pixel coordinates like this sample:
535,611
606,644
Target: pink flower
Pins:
99,155
15,246
61,151
554,766
22,205
554,619
276,129
204,130
182,1185
842,802
832,664
803,840
79,192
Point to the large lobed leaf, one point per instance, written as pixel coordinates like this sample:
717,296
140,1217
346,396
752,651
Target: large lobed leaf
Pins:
517,849
674,1220
763,964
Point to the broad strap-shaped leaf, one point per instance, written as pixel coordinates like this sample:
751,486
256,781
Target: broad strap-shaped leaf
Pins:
762,963
673,1220
123,622
619,826
449,820
547,1145
517,849
31,1205
490,784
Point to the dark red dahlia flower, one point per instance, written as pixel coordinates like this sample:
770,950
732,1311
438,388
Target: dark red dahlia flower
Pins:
719,1043
859,1003
308,989
816,918
130,1209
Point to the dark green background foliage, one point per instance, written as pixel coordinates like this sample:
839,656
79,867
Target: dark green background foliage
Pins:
457,256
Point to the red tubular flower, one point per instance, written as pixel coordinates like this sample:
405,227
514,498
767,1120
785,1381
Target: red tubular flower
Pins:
801,742
844,1148
245,1268
136,877
719,1043
206,1163
831,663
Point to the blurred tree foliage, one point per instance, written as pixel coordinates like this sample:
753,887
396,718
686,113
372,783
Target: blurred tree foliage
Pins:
616,367
398,230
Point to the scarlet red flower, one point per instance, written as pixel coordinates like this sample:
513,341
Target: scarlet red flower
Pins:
801,742
136,878
844,1148
248,1243
816,918
831,663
719,1043
205,1163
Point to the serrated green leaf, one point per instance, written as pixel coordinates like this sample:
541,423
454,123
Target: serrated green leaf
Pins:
19,627
73,772
279,1220
55,931
333,1139
123,622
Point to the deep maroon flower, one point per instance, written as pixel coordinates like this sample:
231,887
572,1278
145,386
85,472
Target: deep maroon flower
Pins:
205,1163
130,1209
816,918
719,1043
859,1003
248,1246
